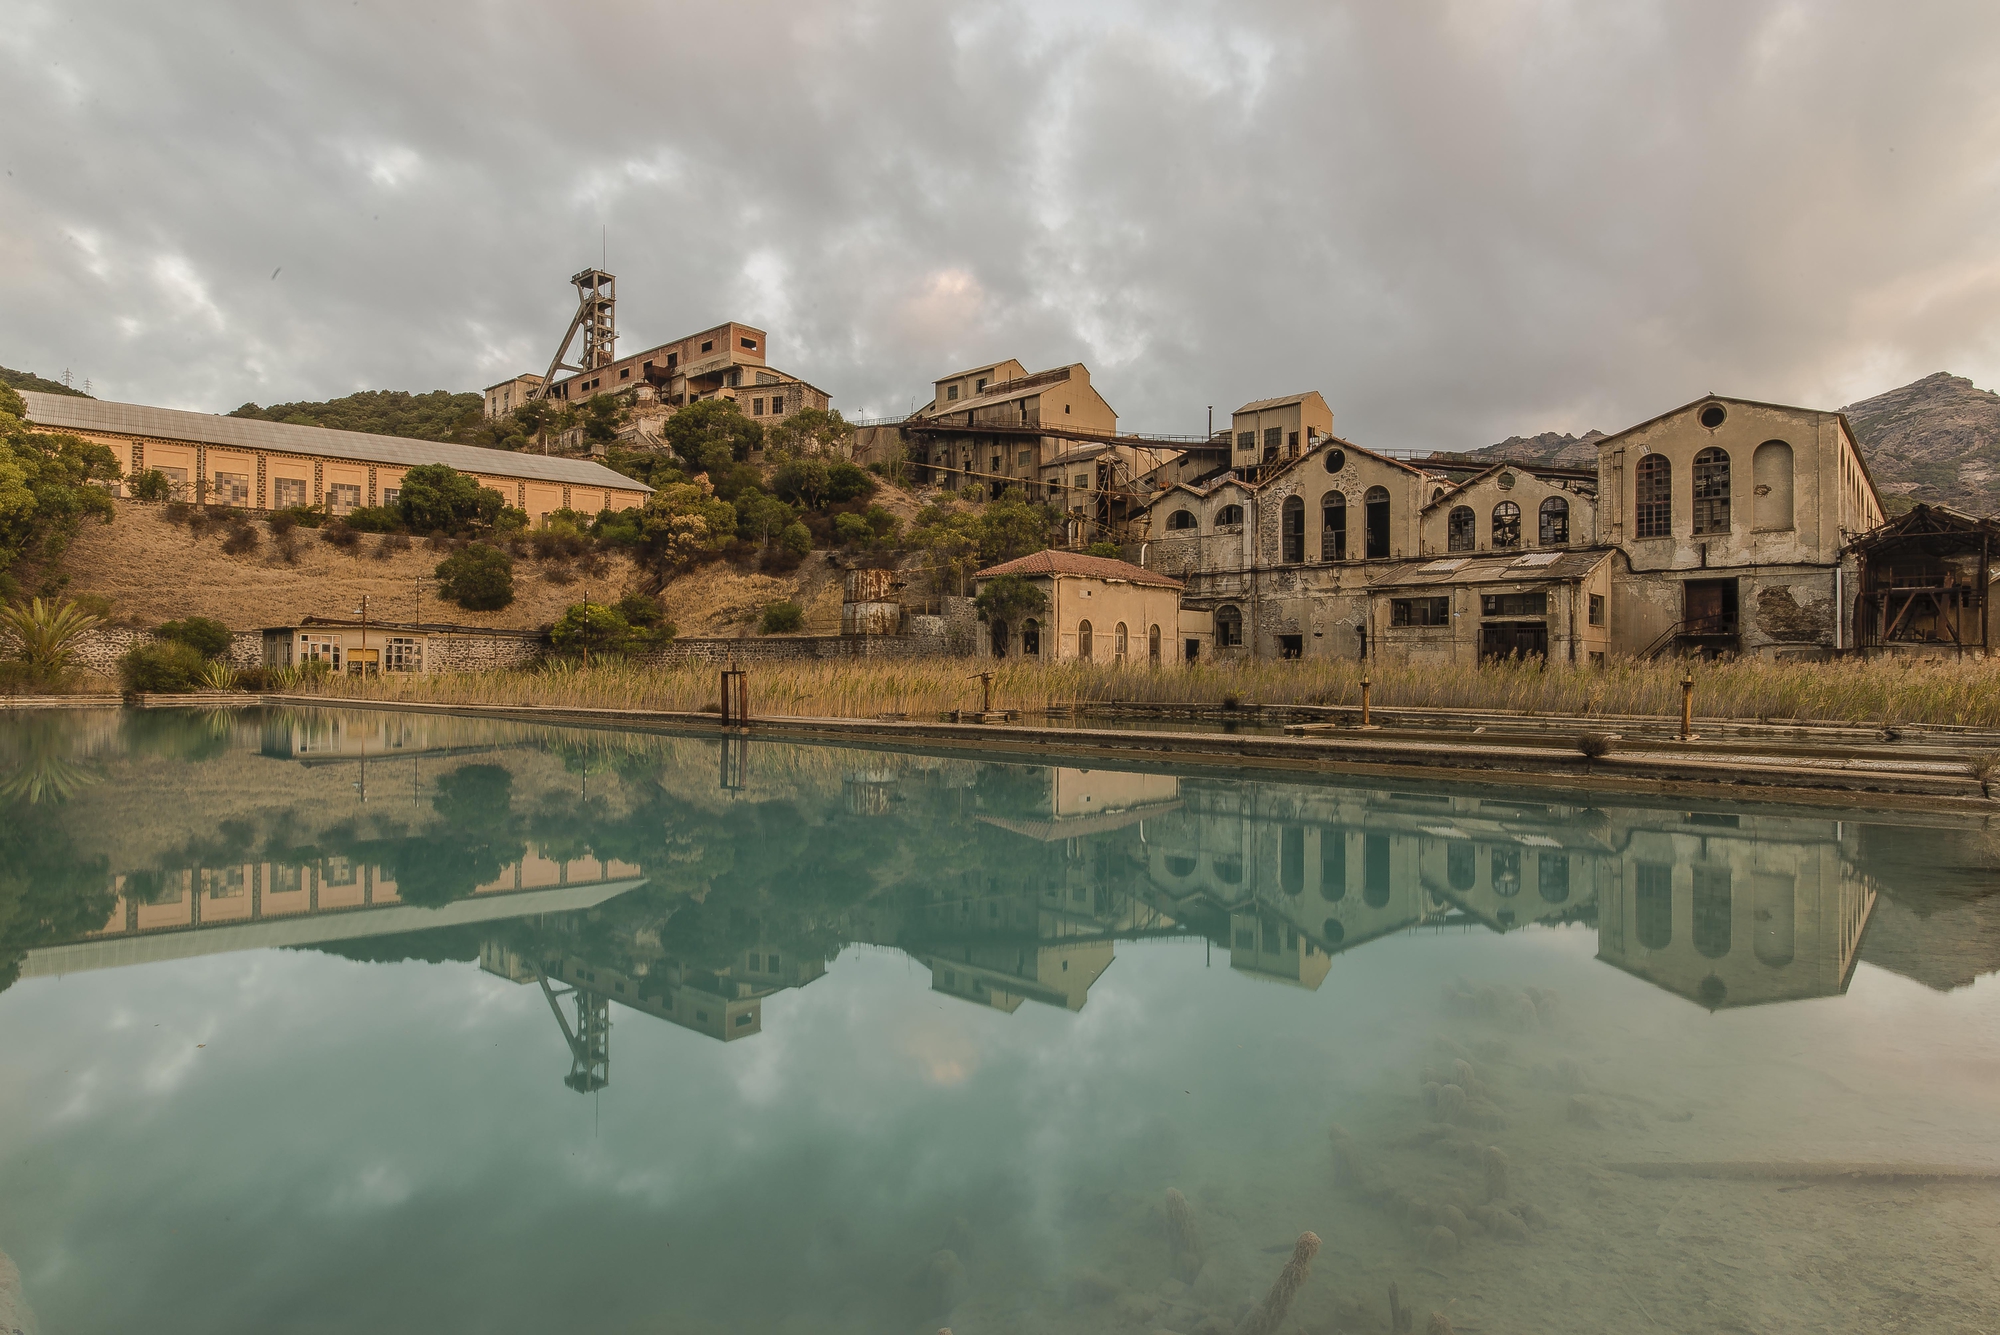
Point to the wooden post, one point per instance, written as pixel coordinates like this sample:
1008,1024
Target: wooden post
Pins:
734,684
1687,706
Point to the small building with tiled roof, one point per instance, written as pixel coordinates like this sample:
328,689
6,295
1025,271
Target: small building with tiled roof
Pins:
1095,609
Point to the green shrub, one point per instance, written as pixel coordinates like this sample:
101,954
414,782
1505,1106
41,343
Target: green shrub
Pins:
205,635
846,481
642,609
479,577
437,498
167,665
796,539
1110,549
151,485
375,519
782,618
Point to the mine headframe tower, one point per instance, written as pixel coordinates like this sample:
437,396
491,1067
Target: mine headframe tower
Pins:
596,319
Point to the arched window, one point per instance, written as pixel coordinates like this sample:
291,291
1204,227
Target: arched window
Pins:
1084,647
1555,523
1292,530
1333,527
1031,638
1653,494
1375,522
1461,529
1460,869
1180,519
1711,911
1292,859
1228,627
1506,872
1229,516
1653,905
1333,932
1771,477
1118,643
1552,877
1506,526
1180,866
1228,868
1711,491
1332,865
1153,645
1375,870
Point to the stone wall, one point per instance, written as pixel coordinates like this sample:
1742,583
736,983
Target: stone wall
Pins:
480,653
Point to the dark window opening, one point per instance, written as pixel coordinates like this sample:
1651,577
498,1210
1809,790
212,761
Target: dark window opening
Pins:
1712,902
1333,527
1332,865
624,373
1031,638
1653,909
1420,611
1273,438
1555,523
1461,529
1292,531
1506,867
1375,522
1713,416
1460,866
750,343
1291,646
1292,859
1229,516
708,346
1375,870
1506,526
1709,607
1246,440
1552,877
1180,519
1336,460
1228,628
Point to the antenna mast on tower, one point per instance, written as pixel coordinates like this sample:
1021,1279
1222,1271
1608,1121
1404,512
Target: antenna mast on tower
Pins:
596,319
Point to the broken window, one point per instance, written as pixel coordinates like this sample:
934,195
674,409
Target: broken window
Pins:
1420,611
1333,527
1514,605
1375,521
1273,438
1229,516
1292,530
1555,523
1228,627
1180,519
1247,441
1461,530
1653,487
1506,526
1711,491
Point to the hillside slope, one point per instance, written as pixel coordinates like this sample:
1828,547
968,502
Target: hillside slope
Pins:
153,571
438,415
13,379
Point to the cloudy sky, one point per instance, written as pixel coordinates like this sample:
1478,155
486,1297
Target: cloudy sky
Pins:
1458,219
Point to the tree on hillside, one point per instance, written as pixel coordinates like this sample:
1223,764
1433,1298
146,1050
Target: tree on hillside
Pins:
712,433
437,498
49,483
437,415
812,432
29,380
478,577
684,519
601,416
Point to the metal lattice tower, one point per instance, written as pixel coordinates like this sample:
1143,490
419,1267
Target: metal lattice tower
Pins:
596,319
590,1042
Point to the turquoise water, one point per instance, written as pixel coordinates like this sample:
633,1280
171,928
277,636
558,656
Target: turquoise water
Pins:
359,1021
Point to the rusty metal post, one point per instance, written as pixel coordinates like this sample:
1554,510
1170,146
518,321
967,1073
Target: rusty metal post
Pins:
1364,703
986,692
1687,706
734,684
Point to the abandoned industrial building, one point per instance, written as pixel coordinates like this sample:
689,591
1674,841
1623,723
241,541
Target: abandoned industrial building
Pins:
259,465
1723,526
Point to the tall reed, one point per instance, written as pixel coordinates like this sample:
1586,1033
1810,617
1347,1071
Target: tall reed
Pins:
1856,691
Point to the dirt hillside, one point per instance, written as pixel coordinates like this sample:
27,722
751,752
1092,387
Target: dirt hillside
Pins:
154,570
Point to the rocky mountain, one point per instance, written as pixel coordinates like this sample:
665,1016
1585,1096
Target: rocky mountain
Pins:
1936,439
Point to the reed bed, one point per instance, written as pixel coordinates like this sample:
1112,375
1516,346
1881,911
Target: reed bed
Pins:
1876,692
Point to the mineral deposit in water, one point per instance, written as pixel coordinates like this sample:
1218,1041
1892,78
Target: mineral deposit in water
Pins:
359,1021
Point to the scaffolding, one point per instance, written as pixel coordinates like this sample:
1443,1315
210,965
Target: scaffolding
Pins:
596,319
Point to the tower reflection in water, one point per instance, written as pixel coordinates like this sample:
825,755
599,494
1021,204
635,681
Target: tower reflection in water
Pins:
688,880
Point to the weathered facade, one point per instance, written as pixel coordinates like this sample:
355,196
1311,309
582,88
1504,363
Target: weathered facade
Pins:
1096,609
258,465
1924,586
1719,527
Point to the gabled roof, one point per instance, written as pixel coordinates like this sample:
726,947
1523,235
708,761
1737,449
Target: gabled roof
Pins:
1201,493
1839,417
1076,565
975,370
59,412
1335,442
1477,478
1004,392
1523,567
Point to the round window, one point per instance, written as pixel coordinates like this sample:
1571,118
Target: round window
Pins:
1336,460
1506,481
1713,415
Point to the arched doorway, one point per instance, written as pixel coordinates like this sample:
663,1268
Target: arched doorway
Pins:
1000,639
1153,645
1084,647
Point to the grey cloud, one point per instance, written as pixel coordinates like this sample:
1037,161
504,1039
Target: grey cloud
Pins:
1458,220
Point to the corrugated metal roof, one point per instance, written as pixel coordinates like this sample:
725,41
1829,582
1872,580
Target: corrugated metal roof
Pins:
62,413
1502,568
1262,405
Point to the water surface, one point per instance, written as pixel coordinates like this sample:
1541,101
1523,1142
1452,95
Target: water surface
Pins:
337,1021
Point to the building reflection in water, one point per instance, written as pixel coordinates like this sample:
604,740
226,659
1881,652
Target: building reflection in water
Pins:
1009,883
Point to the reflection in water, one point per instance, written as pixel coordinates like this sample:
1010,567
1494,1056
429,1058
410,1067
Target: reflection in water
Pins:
691,880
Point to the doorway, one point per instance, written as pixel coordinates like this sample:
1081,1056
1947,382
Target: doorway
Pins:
1514,639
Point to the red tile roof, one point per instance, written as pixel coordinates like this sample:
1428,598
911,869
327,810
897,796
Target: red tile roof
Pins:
1078,565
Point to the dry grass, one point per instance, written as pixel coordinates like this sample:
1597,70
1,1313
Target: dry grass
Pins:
1855,692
